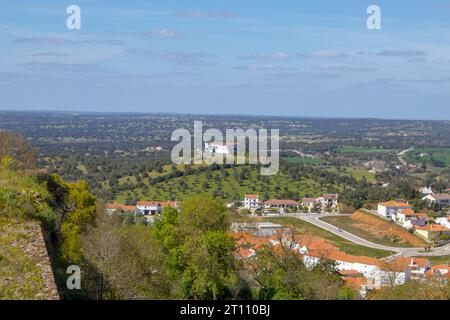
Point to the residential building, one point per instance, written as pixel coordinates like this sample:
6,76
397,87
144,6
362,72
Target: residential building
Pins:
426,190
441,271
114,207
309,203
414,268
150,208
442,199
390,209
220,147
444,221
407,218
329,200
433,232
278,204
251,202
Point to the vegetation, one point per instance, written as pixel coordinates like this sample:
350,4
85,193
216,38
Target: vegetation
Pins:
282,275
384,232
303,227
414,290
20,273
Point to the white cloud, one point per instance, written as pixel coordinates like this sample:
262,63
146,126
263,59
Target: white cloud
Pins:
279,56
205,15
323,55
404,54
346,68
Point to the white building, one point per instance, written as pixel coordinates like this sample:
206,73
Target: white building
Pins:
150,208
391,208
442,199
426,190
329,202
407,218
377,272
251,202
445,222
219,147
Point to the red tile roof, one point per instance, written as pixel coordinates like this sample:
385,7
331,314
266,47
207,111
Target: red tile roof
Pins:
433,228
252,196
116,206
396,204
172,204
349,273
281,202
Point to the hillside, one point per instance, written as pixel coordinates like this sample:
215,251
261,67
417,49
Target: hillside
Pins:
376,230
228,184
25,270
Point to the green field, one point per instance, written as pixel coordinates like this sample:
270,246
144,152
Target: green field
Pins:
304,160
435,157
227,184
303,227
356,173
362,150
438,260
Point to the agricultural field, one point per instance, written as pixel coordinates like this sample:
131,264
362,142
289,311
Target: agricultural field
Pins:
356,173
363,150
227,184
305,160
435,157
376,230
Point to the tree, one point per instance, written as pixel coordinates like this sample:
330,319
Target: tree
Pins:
282,275
17,147
101,251
122,261
82,206
199,251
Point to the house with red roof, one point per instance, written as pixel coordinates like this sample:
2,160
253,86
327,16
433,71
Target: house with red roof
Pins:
150,208
390,209
115,207
280,204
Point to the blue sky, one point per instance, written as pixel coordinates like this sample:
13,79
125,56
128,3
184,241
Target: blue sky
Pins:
267,57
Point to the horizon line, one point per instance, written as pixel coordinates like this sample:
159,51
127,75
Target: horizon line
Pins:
43,110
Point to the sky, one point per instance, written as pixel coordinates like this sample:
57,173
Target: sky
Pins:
265,57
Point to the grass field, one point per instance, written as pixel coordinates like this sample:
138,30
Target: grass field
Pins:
363,150
430,156
438,260
227,184
304,160
356,173
305,228
384,233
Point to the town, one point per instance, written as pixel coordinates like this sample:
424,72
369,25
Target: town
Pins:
362,273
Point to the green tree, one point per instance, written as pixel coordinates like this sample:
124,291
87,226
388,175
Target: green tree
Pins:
82,213
199,251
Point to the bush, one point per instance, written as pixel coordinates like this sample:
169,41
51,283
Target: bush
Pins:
23,196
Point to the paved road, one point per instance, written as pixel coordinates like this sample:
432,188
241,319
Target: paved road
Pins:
407,252
402,153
